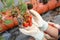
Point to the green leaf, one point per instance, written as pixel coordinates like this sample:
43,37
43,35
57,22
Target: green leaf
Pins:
2,38
3,1
7,22
23,8
21,1
9,3
3,9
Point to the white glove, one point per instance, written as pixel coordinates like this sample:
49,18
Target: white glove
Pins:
43,25
33,31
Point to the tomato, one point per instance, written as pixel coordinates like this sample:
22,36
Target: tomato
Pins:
3,27
52,4
45,8
33,2
8,13
0,21
58,3
9,22
30,23
40,8
35,8
30,16
15,21
25,24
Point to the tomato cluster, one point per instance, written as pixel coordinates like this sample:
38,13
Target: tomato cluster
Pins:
42,8
8,21
28,20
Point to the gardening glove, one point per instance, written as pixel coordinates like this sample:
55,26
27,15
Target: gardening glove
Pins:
33,31
43,25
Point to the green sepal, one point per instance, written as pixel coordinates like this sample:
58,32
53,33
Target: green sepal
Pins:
7,22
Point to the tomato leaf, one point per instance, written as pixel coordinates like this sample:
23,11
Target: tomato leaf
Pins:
7,22
9,3
3,9
22,7
2,38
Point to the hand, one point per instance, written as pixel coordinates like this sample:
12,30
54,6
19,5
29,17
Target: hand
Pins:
43,25
33,31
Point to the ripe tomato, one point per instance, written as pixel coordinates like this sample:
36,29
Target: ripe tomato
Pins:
45,8
58,3
0,21
40,8
52,4
9,22
25,24
3,27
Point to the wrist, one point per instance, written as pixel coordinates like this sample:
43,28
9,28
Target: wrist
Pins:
44,26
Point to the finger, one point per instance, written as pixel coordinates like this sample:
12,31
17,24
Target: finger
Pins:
34,22
24,31
35,14
51,23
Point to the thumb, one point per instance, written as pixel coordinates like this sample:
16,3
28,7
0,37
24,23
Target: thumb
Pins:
35,14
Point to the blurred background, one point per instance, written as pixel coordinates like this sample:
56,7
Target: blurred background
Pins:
50,15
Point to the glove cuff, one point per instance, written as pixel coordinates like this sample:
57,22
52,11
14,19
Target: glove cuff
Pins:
44,26
39,36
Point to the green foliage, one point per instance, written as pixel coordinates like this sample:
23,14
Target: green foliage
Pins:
7,4
22,6
2,38
7,22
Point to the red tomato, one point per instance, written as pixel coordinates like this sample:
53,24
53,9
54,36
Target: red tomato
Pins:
11,24
40,8
58,3
52,4
30,23
45,8
35,7
8,13
0,21
25,24
3,28
30,16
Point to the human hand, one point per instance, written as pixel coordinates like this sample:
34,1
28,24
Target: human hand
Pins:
33,31
38,20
